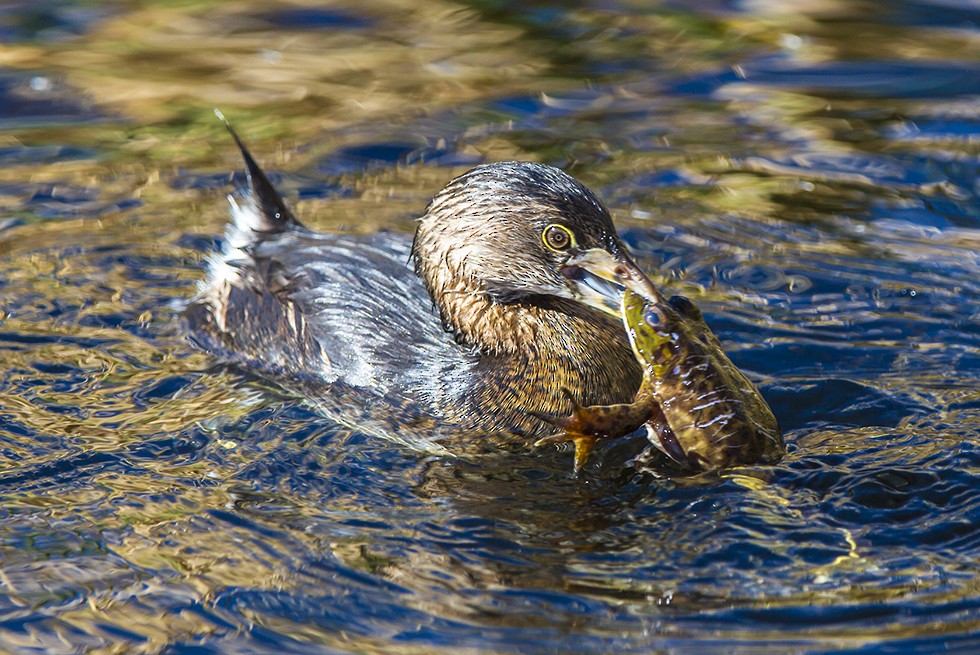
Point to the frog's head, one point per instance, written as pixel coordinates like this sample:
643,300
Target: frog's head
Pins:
661,329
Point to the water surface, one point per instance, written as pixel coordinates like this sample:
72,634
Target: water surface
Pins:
806,172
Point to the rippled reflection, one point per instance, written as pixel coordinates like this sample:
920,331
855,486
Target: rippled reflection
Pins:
806,172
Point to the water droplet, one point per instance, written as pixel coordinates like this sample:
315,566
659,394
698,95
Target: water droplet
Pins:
40,83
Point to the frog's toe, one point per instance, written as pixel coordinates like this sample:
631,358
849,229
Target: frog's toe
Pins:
583,445
550,419
565,391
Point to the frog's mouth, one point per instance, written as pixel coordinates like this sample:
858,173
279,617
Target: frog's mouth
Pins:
663,439
599,279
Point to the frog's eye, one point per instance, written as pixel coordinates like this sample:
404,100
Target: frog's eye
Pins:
653,317
558,237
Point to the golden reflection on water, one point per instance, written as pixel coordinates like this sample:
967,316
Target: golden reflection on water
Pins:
150,534
170,65
161,58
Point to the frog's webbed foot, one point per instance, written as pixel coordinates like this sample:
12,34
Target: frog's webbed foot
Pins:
577,422
579,427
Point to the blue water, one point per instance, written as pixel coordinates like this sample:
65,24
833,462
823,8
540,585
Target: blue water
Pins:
808,174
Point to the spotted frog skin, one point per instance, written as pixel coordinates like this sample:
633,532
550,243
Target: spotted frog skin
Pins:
697,406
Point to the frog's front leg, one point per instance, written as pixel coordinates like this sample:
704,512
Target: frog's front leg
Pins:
586,425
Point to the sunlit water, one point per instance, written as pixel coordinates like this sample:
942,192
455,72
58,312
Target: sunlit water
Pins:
808,172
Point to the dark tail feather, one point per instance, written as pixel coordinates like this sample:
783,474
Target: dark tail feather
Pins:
274,214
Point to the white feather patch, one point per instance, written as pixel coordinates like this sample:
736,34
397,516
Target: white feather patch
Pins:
222,274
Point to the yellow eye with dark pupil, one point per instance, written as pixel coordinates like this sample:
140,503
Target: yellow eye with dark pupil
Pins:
558,237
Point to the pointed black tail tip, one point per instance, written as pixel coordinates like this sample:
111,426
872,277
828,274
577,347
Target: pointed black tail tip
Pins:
276,217
232,132
221,117
225,121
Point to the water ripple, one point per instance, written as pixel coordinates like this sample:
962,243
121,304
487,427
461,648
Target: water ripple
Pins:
811,187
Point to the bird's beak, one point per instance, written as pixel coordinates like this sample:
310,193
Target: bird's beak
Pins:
599,278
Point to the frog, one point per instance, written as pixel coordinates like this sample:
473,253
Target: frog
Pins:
697,407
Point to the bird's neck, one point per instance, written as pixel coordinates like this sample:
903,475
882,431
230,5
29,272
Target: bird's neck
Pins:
538,351
491,327
545,332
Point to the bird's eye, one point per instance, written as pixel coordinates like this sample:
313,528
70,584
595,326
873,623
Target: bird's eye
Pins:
558,237
653,317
